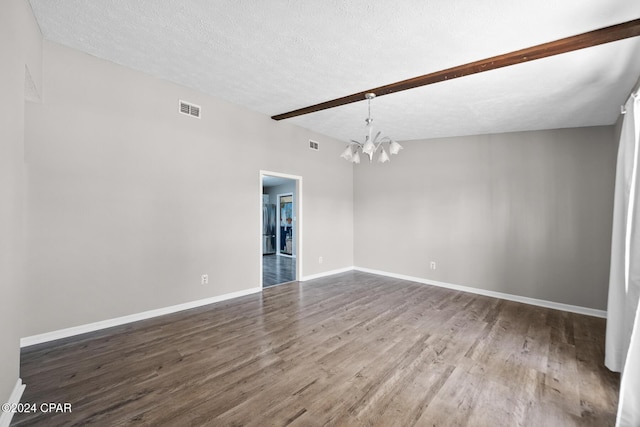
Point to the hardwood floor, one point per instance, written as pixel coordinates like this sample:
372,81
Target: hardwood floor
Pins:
351,349
277,270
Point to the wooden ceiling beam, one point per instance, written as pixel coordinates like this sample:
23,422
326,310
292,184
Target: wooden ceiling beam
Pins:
569,44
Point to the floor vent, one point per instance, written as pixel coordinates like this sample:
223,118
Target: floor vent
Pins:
189,109
313,145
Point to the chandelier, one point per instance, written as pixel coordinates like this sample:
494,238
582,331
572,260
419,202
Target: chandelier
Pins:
371,144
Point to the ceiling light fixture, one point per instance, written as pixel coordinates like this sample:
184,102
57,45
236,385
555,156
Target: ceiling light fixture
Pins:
371,144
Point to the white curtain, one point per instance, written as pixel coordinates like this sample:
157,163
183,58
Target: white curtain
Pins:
623,315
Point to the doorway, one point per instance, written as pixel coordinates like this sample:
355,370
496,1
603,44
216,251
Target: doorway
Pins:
280,228
285,231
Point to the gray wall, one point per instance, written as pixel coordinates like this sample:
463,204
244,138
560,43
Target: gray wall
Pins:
20,46
525,213
129,202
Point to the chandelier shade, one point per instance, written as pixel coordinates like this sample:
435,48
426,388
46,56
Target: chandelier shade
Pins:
356,158
384,157
394,147
372,144
347,154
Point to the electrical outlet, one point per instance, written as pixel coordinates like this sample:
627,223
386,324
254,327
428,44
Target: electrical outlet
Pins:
320,260
204,279
433,265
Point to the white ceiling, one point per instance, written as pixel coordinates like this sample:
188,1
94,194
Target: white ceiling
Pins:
274,56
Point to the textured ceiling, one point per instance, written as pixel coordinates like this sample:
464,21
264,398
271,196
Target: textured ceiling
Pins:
274,56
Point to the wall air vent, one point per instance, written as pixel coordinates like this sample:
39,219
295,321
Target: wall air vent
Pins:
313,145
189,109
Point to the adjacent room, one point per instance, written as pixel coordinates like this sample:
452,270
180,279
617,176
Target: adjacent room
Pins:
279,231
320,213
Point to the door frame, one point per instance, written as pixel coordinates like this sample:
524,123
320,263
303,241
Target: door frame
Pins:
298,222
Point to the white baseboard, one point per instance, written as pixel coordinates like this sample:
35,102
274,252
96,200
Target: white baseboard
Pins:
326,273
526,300
92,327
16,394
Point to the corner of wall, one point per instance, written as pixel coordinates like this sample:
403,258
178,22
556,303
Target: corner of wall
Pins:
20,49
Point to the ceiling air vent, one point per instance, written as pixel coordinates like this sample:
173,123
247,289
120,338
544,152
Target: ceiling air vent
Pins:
189,109
313,145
